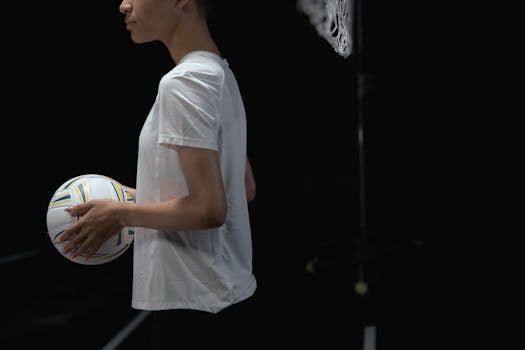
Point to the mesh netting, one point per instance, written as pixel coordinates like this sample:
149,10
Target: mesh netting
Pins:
333,21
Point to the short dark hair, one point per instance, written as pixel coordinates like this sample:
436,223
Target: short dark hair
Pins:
206,6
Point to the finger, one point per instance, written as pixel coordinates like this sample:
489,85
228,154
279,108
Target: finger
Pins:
74,243
79,250
91,250
69,233
71,247
87,249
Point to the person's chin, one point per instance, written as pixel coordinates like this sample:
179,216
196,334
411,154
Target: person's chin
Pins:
137,40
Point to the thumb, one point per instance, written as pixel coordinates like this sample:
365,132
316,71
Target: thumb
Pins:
79,209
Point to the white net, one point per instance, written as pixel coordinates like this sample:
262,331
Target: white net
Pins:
333,21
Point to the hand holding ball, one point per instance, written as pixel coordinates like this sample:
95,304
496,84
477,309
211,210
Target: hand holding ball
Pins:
82,189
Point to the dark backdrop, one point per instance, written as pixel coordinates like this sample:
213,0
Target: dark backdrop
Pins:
438,183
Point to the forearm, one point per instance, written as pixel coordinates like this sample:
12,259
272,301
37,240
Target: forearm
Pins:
180,214
249,182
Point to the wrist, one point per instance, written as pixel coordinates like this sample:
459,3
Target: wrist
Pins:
123,213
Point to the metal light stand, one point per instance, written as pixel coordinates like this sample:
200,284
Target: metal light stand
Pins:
360,286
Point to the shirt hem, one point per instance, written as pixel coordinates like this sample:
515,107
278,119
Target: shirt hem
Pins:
184,141
157,306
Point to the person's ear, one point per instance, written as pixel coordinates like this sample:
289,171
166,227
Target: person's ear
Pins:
180,4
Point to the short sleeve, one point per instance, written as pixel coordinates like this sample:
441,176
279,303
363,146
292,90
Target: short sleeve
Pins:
189,110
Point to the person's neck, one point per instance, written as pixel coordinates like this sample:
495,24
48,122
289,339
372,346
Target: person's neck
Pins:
191,38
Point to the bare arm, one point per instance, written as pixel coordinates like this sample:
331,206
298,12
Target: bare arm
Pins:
249,181
205,206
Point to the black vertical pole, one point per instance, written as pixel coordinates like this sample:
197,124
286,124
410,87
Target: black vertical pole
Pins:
360,286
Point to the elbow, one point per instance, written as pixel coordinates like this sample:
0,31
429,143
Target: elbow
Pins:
250,187
250,193
215,216
217,220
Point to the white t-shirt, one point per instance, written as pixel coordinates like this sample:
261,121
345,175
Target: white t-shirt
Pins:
198,104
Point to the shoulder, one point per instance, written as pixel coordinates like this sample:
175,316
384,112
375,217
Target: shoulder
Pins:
199,71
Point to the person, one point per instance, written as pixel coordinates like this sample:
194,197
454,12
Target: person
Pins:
192,251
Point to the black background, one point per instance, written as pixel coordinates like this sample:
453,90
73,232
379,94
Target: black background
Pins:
438,178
